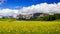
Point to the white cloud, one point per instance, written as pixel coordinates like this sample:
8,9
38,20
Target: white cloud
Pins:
41,8
8,12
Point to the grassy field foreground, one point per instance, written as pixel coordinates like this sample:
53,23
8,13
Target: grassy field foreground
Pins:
29,27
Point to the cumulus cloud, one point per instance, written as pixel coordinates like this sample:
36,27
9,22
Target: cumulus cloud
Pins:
8,12
41,8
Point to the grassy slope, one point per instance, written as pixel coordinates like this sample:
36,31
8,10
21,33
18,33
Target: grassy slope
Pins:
29,27
57,20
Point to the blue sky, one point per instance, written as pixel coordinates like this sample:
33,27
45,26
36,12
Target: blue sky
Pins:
16,4
13,7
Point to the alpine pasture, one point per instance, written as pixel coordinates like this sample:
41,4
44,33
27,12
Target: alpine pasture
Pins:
29,27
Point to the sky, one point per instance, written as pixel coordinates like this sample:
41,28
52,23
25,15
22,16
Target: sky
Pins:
17,4
24,7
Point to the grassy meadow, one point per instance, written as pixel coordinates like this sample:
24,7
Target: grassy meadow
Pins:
29,27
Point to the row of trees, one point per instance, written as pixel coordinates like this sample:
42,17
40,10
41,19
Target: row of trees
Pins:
49,17
46,18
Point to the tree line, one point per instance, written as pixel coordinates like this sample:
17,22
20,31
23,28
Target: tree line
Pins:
46,18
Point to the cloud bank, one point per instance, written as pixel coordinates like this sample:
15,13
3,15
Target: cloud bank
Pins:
39,8
8,12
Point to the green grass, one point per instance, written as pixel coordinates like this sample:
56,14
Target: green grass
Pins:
11,26
29,27
57,20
